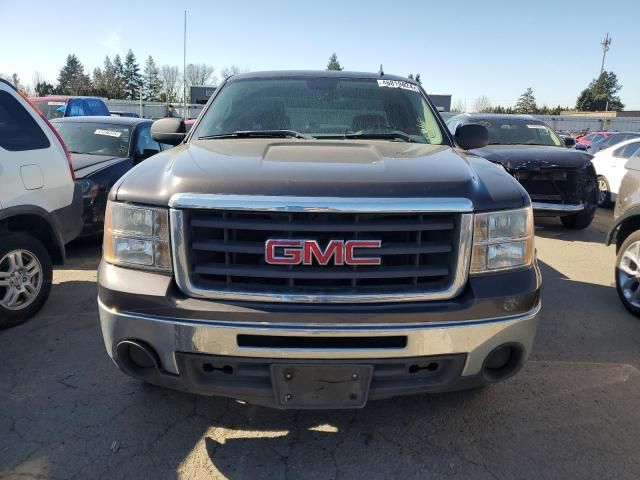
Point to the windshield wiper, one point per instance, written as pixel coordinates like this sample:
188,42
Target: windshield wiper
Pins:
375,136
258,134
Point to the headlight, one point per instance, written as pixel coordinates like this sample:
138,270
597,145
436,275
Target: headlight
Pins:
502,240
137,236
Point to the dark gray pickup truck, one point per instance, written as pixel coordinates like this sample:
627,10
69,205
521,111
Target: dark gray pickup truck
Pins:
316,240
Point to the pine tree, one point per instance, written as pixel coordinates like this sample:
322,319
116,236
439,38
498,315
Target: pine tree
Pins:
600,95
118,79
72,79
132,78
151,81
334,64
527,102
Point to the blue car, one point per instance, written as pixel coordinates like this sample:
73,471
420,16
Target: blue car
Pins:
64,106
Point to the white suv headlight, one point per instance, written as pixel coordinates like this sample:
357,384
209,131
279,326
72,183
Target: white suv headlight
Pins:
502,240
137,236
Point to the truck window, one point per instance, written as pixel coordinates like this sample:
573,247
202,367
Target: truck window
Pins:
18,130
322,107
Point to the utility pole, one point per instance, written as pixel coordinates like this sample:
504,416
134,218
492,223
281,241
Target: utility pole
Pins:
605,43
185,115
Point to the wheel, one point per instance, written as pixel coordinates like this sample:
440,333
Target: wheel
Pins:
628,273
25,278
604,193
580,220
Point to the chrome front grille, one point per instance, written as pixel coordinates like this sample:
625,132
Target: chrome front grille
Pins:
219,248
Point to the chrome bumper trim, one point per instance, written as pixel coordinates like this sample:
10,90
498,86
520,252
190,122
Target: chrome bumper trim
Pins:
319,204
180,242
169,335
557,207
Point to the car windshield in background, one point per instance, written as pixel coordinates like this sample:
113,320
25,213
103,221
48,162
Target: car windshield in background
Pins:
95,138
519,132
321,108
51,108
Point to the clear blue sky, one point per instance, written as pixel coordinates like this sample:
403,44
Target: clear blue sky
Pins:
467,48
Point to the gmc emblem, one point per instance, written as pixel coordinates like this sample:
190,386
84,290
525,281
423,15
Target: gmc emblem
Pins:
337,252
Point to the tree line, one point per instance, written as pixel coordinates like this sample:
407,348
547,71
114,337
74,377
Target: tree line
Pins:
599,96
125,79
118,79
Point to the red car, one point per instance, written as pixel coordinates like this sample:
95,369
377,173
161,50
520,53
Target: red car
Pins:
585,142
59,106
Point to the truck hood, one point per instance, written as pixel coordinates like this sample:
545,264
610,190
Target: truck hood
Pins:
85,164
319,168
534,157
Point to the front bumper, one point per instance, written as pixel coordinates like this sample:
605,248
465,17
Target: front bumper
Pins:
542,209
188,336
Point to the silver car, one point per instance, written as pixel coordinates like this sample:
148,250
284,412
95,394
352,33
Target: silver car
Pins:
626,235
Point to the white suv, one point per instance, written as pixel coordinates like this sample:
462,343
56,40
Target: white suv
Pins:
40,206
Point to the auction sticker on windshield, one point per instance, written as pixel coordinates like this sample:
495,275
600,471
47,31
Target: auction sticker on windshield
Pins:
398,84
536,126
108,133
56,103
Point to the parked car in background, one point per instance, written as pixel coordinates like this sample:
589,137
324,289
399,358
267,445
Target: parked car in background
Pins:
63,106
625,234
40,206
612,140
188,124
609,164
584,143
561,182
118,113
102,150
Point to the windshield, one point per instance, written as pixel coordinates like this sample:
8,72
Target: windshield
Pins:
95,138
322,108
51,108
505,131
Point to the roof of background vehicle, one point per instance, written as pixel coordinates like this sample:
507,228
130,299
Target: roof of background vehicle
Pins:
505,116
129,121
8,83
317,74
61,97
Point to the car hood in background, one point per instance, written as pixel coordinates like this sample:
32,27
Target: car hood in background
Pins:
85,164
324,168
534,157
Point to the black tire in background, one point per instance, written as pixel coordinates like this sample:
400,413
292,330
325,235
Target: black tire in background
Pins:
581,220
23,241
628,242
604,193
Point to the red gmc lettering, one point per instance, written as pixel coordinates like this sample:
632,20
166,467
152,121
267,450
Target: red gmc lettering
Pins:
334,249
350,257
337,252
290,254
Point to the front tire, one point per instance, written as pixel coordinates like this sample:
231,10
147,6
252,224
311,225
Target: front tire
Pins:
604,193
25,278
628,273
579,221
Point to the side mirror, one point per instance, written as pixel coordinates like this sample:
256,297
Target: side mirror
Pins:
168,130
472,136
569,142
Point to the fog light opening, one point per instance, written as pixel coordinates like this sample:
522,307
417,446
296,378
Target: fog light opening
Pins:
136,357
503,362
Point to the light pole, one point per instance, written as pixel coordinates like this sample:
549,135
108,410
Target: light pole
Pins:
184,70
